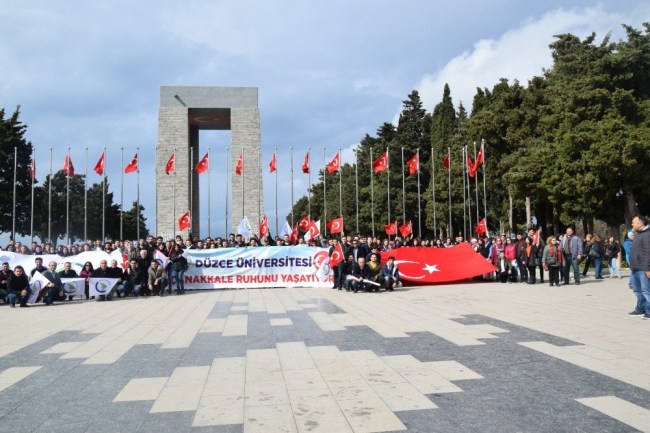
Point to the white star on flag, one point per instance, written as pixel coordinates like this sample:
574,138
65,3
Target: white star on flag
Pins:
431,268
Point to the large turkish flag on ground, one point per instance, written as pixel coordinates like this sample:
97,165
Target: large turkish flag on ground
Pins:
439,265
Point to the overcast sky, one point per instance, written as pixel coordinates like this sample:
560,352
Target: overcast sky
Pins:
88,74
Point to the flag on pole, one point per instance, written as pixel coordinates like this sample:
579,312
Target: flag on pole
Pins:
313,231
161,258
293,237
184,222
304,223
68,168
101,286
273,164
239,167
413,164
337,256
406,229
335,226
335,164
132,166
380,164
170,167
471,168
32,170
481,227
264,227
99,167
285,230
391,228
244,228
203,165
305,164
479,158
446,162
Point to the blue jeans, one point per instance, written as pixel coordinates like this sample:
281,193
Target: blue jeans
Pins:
178,274
598,264
641,290
613,267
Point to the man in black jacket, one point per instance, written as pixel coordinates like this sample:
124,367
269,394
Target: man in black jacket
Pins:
640,267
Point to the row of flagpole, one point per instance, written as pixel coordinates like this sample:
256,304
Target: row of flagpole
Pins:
377,166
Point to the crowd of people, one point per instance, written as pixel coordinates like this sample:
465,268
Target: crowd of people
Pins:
516,259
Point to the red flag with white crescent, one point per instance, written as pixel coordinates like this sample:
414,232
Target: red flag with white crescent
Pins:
305,163
293,237
170,167
413,164
68,168
274,163
184,222
406,229
313,231
304,223
264,227
203,165
335,226
99,167
337,256
439,265
335,164
391,228
380,164
239,167
132,166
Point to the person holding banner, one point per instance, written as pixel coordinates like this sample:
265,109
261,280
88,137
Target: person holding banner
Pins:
134,279
53,291
68,272
157,279
103,272
360,276
18,286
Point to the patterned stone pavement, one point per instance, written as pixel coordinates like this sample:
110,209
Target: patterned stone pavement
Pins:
456,358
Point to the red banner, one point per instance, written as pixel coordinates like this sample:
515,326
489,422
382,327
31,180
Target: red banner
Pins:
438,265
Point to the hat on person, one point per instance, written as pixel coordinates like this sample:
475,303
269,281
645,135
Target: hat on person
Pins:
630,234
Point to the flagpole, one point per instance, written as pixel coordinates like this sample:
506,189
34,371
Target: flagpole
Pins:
340,190
419,207
243,207
121,191
137,204
403,188
227,188
433,193
174,194
49,203
209,223
464,196
86,196
67,200
451,232
259,186
372,196
469,195
33,170
308,184
275,156
189,165
484,186
324,190
13,214
104,198
356,183
478,218
388,185
276,188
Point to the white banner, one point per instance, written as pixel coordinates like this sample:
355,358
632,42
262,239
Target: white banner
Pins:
37,283
74,286
101,286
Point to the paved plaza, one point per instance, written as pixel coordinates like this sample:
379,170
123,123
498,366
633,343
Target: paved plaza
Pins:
475,357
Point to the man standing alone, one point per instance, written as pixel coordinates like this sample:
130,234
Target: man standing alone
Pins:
640,267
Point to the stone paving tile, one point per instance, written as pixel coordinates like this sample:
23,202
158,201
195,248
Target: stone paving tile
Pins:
365,362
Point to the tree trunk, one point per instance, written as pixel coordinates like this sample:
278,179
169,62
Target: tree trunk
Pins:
631,209
510,220
528,216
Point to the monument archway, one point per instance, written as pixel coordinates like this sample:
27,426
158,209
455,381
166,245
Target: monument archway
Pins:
184,111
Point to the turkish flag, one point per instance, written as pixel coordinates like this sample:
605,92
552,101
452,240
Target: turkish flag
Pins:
293,237
264,227
203,165
439,265
406,229
32,170
184,222
481,227
274,162
535,236
335,226
380,164
479,158
132,166
99,167
239,167
305,163
446,162
335,163
471,168
68,168
313,230
170,167
413,164
391,228
337,256
304,223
